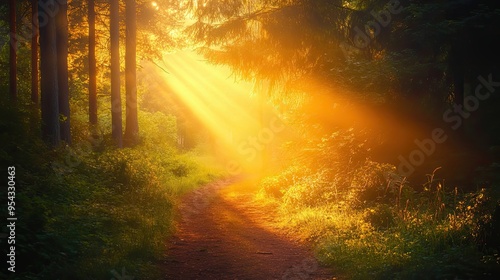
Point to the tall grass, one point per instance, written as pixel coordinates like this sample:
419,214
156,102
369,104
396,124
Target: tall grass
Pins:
91,211
369,223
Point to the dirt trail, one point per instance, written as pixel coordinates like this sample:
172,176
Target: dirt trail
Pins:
223,235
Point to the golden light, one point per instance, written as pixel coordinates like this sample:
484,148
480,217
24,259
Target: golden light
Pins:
226,107
155,5
243,126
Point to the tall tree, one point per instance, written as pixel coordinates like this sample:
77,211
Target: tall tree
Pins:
13,50
48,77
62,69
277,41
34,51
116,104
131,126
92,65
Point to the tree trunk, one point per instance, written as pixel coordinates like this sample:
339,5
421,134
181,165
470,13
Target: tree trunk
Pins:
49,86
92,66
34,51
116,103
62,69
13,50
132,126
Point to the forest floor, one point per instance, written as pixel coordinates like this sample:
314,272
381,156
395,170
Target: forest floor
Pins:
222,233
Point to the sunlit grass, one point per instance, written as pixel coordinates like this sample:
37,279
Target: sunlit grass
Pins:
89,210
435,235
351,245
123,221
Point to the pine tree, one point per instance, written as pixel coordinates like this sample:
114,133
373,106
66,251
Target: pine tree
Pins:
131,122
92,65
116,104
62,70
48,78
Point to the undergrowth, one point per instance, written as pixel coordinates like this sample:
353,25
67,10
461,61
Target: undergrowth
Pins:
90,211
369,223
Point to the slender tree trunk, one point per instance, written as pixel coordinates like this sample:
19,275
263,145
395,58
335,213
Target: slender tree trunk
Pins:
34,51
92,66
13,50
49,86
132,126
62,69
116,103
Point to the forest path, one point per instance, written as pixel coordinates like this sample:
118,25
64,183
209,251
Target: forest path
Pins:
223,234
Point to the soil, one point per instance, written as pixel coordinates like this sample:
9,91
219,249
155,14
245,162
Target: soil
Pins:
223,234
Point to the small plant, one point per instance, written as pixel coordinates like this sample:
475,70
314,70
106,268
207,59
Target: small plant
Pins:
277,185
381,216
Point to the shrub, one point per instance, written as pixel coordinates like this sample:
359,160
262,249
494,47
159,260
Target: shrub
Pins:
368,223
375,182
277,185
310,190
381,216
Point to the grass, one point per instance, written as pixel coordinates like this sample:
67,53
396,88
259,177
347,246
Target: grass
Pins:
91,211
433,234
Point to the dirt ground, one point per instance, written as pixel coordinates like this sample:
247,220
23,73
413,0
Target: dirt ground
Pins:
223,234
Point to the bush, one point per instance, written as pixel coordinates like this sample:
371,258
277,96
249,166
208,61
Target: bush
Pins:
375,182
368,223
88,209
277,185
310,190
381,216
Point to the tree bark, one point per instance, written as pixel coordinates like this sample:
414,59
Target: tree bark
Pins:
13,50
49,85
92,65
34,52
62,69
116,103
132,126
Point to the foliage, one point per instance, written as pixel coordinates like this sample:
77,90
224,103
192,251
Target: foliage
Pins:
269,40
417,58
276,185
157,29
368,223
87,210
